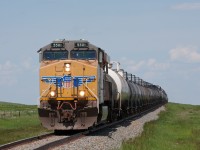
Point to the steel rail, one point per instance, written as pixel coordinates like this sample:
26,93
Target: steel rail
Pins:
24,141
63,141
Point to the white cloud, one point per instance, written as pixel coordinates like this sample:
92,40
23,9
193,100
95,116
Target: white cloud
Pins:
185,54
150,70
10,72
154,65
186,6
146,65
130,65
135,66
7,68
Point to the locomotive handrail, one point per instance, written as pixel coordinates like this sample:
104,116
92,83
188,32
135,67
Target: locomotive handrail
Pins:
46,90
92,94
91,91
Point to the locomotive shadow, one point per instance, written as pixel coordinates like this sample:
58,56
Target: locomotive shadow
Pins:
110,130
67,132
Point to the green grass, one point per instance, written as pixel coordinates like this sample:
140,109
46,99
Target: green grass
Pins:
5,106
178,128
16,128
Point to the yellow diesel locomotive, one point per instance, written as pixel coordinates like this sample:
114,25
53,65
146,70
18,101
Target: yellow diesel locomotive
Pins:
79,89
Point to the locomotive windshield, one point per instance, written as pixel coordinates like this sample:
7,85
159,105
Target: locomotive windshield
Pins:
55,55
83,54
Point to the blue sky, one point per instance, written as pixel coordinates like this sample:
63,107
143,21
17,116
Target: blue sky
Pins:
155,40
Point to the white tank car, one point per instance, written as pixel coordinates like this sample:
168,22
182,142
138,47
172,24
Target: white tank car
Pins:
123,90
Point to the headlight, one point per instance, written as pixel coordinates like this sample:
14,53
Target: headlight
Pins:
67,67
52,93
82,93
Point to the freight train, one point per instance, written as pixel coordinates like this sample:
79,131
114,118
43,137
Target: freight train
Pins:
80,88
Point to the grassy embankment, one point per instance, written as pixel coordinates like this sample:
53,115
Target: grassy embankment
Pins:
15,125
178,128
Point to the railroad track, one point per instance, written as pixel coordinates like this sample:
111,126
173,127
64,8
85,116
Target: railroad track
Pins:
73,137
95,129
25,141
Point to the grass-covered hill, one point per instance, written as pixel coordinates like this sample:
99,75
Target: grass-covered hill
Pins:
15,106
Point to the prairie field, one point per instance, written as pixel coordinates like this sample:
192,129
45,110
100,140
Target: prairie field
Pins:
18,121
178,128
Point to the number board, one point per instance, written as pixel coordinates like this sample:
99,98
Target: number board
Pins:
81,45
57,45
